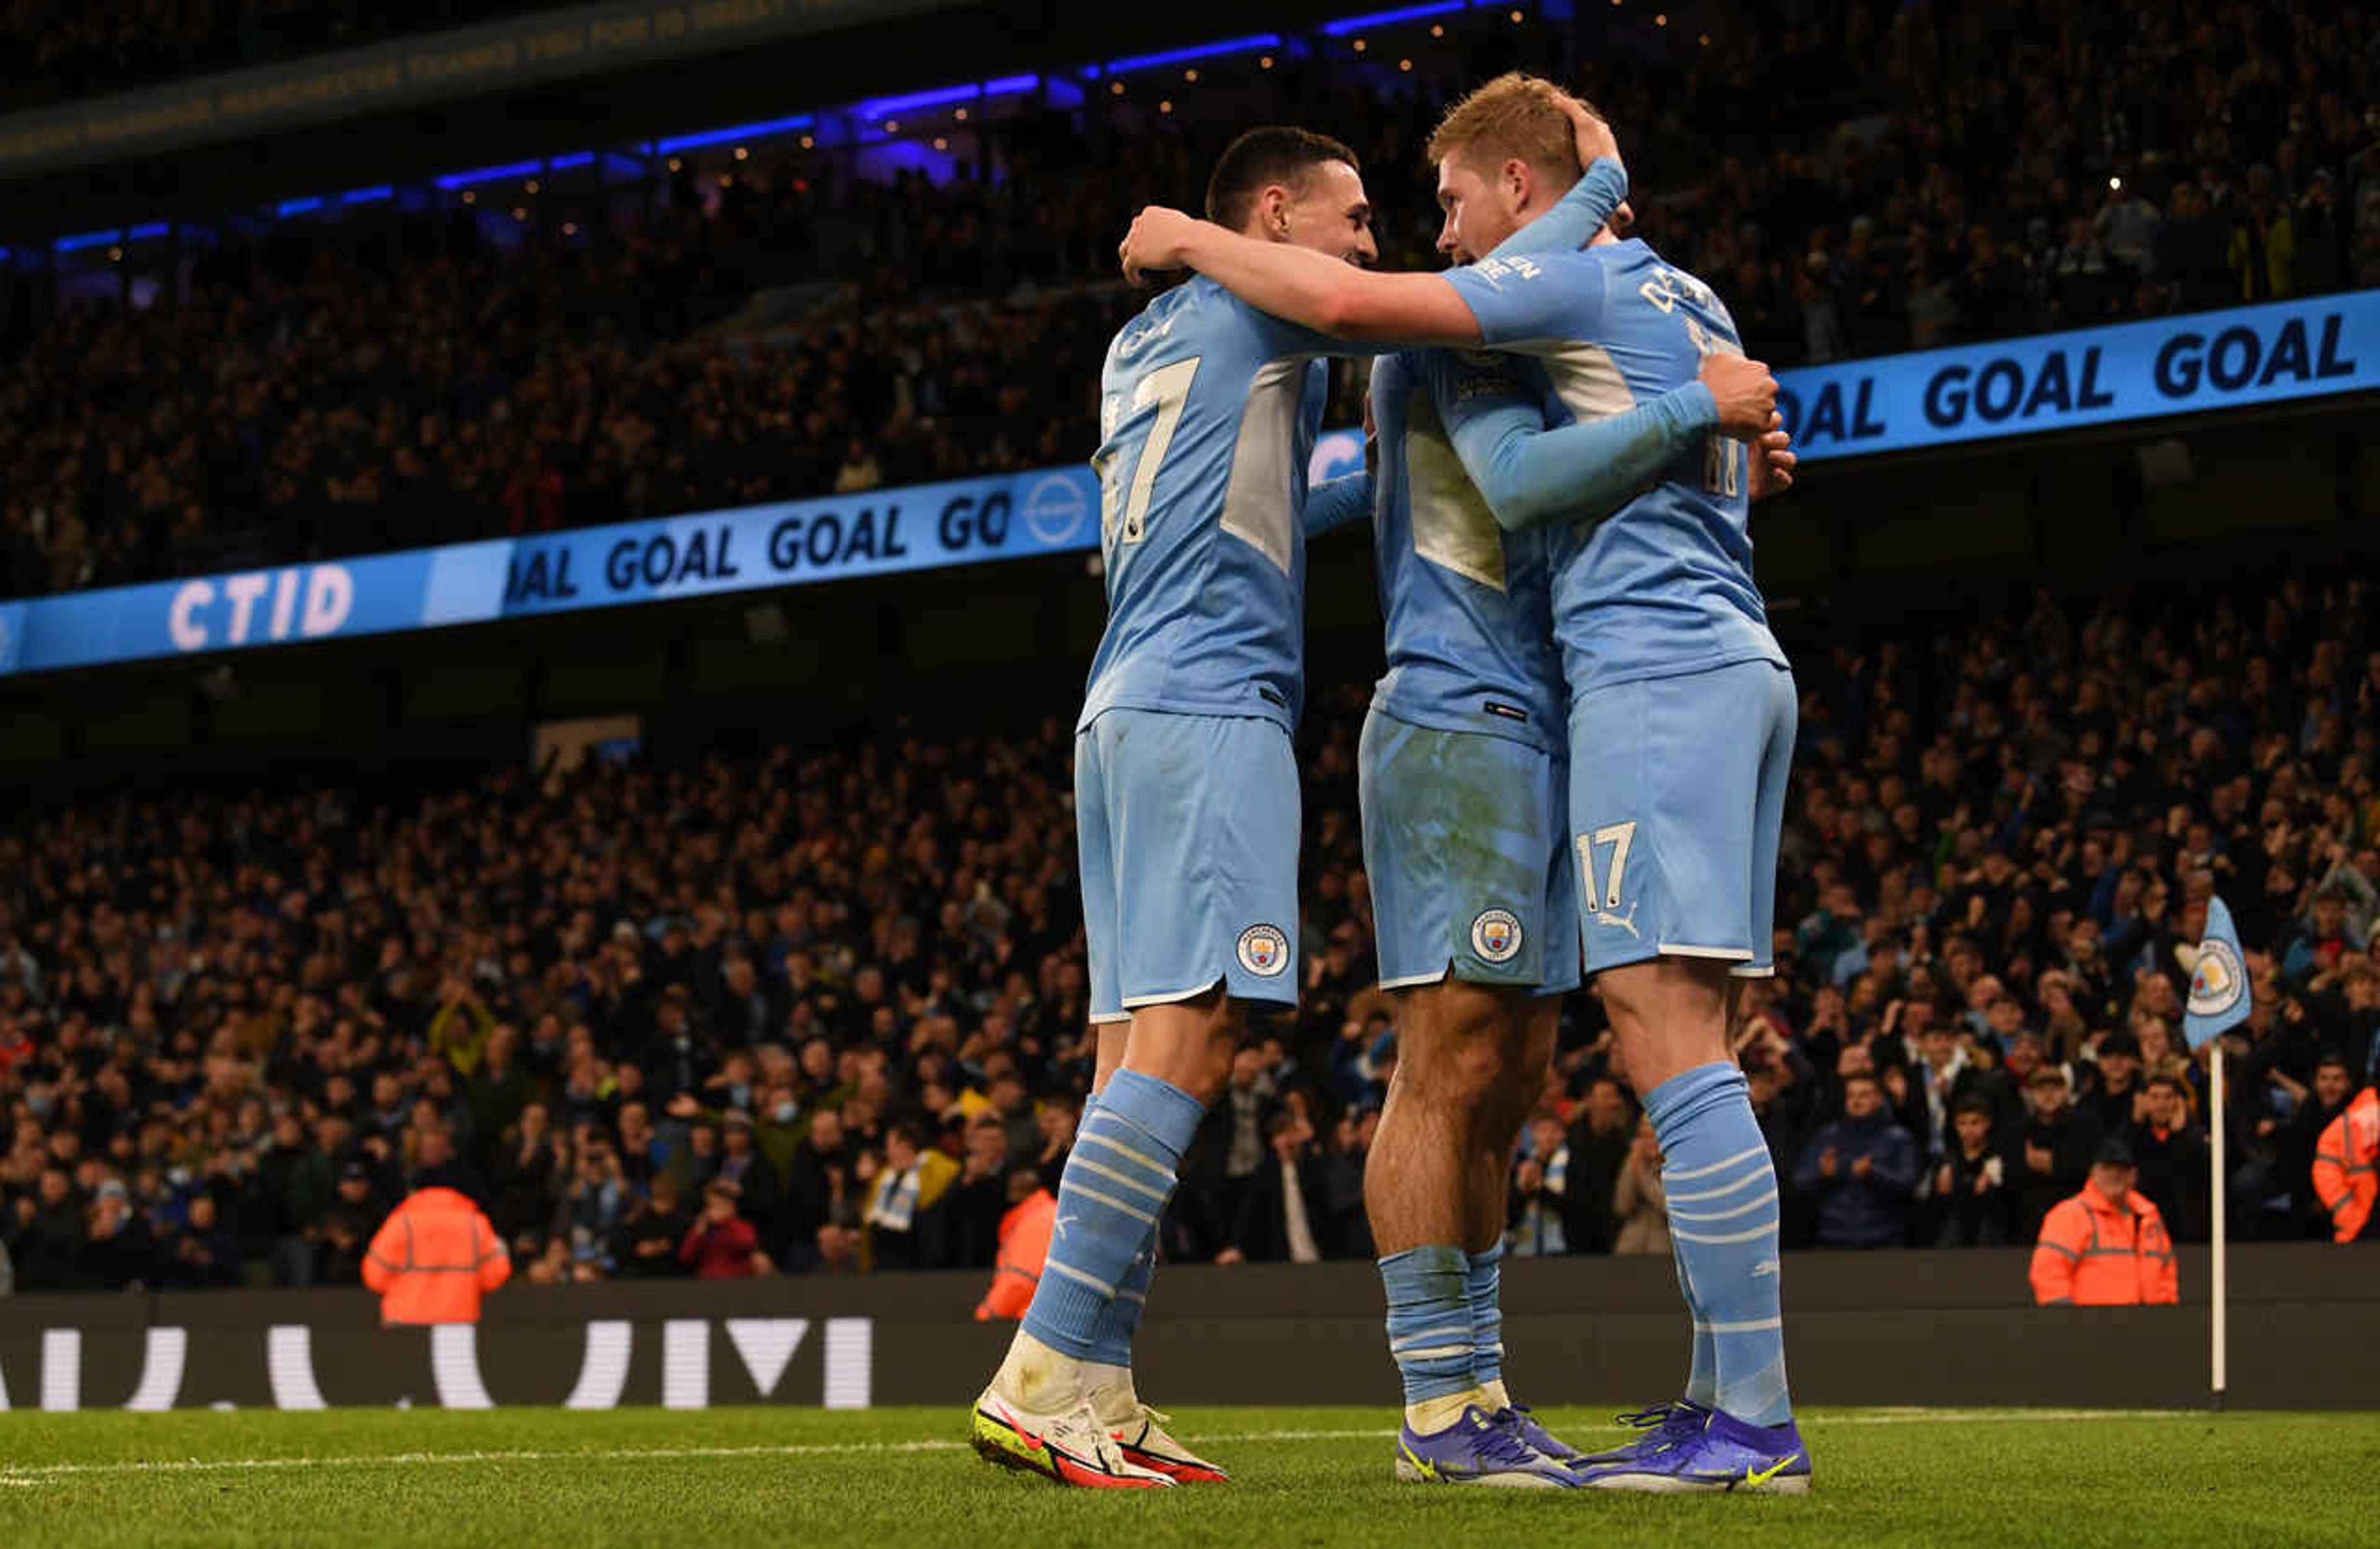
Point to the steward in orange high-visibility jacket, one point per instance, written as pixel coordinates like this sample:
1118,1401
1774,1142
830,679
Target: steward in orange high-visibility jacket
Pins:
2106,1246
1023,1247
434,1259
2346,1169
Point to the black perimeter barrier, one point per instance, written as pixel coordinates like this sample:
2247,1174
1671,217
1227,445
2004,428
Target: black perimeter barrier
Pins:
1883,1328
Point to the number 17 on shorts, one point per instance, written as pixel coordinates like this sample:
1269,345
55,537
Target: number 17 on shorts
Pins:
1677,798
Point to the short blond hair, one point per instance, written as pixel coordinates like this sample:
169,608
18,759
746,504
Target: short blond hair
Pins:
1514,116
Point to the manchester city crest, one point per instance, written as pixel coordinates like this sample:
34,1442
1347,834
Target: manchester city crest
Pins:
1264,950
2219,980
1496,935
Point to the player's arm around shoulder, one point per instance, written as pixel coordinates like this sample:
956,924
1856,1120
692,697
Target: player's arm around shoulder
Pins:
1531,474
1297,285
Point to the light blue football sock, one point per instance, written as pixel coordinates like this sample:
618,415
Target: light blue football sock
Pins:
1119,1320
1702,1374
1126,1157
1429,1320
1483,1289
1723,1220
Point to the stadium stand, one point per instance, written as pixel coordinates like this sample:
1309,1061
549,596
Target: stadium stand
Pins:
846,978
785,326
55,50
234,1031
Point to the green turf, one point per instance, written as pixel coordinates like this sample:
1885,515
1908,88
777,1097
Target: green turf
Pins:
1303,1477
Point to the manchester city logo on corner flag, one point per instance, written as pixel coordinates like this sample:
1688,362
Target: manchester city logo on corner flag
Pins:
1496,935
1264,950
2217,983
2221,998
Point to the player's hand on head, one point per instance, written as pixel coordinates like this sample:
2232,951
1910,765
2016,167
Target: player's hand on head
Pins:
1746,395
1159,241
1591,133
1773,461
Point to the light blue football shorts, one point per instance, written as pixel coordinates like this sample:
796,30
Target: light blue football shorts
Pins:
1464,848
1188,829
1677,796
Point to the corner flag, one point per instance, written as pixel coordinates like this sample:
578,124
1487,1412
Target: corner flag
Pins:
2219,1001
2219,998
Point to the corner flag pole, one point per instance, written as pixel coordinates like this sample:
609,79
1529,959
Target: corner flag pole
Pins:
2220,999
2222,1229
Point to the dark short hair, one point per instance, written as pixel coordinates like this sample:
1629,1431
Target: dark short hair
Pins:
1273,153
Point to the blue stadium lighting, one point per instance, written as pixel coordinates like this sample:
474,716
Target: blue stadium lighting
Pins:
574,160
88,239
367,196
1345,25
1186,55
149,232
289,207
887,107
490,174
733,132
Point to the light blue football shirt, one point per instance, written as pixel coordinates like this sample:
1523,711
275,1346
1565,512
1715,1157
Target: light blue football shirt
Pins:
1208,413
1468,606
1664,586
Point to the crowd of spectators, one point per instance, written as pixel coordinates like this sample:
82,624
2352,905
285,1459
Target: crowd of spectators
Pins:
1856,179
2038,166
339,400
54,51
837,995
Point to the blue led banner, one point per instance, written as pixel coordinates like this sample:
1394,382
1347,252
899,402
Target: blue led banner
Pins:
2094,376
2132,371
878,532
2054,382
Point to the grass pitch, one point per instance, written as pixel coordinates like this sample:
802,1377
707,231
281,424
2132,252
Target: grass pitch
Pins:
1928,1478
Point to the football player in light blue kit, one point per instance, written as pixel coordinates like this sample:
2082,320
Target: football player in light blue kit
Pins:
1466,847
1186,790
1681,730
